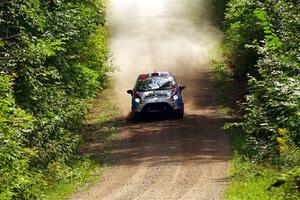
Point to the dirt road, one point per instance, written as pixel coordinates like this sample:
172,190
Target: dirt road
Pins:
167,158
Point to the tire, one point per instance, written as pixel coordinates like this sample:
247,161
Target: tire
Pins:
180,112
136,116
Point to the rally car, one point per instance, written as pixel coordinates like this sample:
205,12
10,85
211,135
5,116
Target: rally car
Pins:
156,92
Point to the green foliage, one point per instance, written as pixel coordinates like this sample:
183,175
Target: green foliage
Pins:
262,38
287,186
251,180
241,29
219,8
53,60
100,126
273,103
247,180
83,174
16,124
223,83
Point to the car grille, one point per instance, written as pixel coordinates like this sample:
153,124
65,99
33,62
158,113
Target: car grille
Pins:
157,107
162,96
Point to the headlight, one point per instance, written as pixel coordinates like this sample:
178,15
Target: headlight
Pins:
175,97
137,100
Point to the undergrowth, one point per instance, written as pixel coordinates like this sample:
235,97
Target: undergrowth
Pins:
260,45
54,58
100,127
247,178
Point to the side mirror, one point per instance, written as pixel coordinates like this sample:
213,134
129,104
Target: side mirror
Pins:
130,91
181,87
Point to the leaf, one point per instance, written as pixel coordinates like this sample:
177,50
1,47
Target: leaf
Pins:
260,14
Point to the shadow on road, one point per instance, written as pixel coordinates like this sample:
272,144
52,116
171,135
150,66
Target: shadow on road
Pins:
192,140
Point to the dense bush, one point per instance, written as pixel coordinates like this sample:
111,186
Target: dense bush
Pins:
53,61
14,155
241,29
263,38
271,30
287,186
218,10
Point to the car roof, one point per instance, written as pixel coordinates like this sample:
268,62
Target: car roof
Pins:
155,74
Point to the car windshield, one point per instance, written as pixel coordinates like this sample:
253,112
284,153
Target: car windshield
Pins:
155,83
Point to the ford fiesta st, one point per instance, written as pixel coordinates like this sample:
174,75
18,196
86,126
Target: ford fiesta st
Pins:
155,93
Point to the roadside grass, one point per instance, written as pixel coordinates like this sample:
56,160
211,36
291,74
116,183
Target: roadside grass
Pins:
99,128
86,173
257,181
246,179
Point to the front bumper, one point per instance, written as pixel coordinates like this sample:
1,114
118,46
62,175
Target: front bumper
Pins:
156,105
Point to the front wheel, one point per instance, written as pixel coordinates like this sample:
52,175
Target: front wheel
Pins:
180,112
136,116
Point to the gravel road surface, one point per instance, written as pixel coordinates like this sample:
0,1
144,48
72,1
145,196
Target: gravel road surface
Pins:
166,158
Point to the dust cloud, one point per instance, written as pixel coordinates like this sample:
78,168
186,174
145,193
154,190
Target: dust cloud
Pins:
161,35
